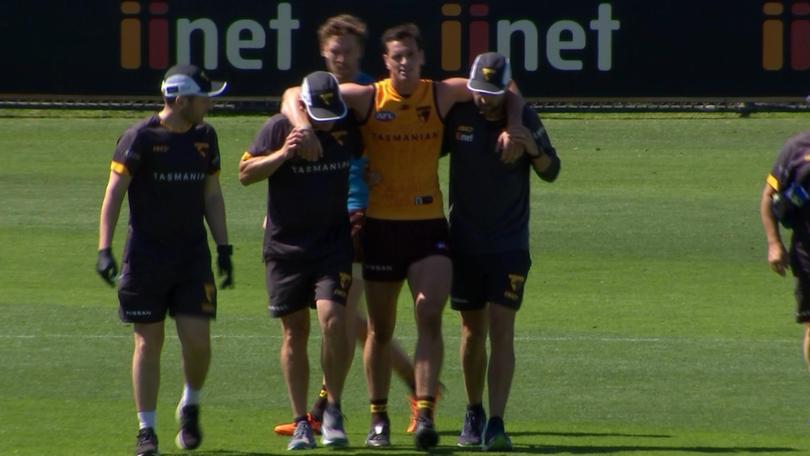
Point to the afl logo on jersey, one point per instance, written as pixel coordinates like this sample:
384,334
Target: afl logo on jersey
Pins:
385,116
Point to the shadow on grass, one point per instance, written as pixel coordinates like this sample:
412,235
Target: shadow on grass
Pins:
532,449
452,434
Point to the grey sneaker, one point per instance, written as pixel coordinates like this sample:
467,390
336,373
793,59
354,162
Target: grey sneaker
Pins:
379,435
473,430
425,437
302,438
334,436
147,443
189,436
495,436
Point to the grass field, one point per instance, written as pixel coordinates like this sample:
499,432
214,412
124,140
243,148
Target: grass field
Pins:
651,325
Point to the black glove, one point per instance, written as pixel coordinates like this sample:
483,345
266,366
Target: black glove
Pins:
224,265
106,267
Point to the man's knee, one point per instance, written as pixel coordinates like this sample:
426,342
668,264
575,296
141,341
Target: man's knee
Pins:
295,328
429,314
149,339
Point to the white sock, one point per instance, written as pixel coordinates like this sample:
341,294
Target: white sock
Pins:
190,396
147,420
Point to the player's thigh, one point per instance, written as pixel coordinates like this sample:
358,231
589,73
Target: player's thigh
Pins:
381,303
430,280
193,331
800,268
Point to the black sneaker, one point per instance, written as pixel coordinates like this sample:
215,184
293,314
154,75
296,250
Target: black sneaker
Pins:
380,435
189,436
147,443
472,431
425,436
495,436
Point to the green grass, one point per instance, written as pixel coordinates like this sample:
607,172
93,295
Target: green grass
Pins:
651,324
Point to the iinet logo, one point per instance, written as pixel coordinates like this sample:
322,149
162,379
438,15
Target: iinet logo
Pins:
563,39
148,32
774,36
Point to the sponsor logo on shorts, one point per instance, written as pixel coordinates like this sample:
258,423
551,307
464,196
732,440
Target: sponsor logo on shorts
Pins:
516,282
441,245
138,313
379,267
345,284
160,148
385,116
207,306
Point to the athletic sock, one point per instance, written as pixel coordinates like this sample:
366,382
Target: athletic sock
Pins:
190,396
379,411
147,420
320,404
425,405
298,419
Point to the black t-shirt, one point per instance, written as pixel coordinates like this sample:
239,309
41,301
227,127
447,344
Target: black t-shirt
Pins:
489,200
168,170
306,202
793,165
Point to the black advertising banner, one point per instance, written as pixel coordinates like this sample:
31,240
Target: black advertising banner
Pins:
572,48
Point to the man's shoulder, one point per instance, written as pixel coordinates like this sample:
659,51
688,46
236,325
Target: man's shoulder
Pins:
142,126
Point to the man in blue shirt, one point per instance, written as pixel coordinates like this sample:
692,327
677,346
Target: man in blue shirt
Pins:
489,238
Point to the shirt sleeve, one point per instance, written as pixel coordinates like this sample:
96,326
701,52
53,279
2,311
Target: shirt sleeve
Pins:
270,138
214,158
128,154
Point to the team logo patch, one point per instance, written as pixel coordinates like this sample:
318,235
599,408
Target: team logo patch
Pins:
488,73
516,282
345,280
423,112
326,97
202,148
385,116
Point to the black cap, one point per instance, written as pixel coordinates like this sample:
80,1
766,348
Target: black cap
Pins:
185,80
320,93
490,74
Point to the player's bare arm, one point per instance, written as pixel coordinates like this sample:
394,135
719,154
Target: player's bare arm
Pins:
257,169
110,210
777,257
215,217
111,207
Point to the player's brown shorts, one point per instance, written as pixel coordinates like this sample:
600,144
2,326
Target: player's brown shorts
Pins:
293,285
357,220
800,266
152,285
391,246
497,278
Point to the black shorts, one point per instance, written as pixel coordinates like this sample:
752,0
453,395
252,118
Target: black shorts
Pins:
391,246
179,284
800,266
498,278
293,285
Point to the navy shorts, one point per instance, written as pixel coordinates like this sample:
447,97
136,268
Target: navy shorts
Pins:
293,285
498,278
153,284
391,246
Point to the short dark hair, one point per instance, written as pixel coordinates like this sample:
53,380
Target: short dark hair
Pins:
402,32
341,25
